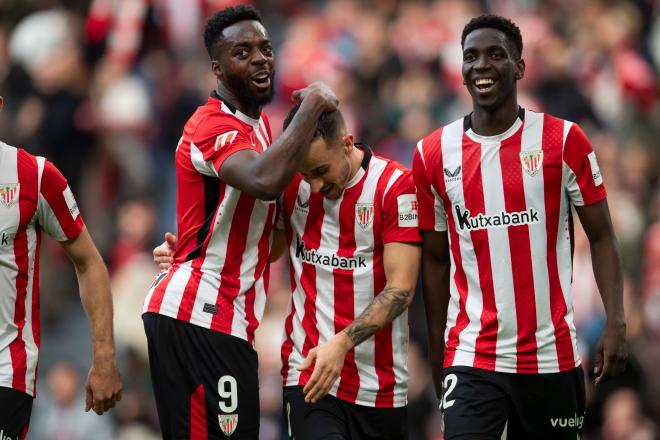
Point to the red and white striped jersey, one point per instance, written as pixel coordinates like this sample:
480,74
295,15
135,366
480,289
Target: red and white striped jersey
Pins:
505,201
220,272
336,269
33,196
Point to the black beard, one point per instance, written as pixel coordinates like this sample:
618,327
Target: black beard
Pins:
242,91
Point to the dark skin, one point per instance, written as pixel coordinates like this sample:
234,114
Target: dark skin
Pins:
488,55
243,62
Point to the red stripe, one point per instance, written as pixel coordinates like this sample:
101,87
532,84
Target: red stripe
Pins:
159,292
473,193
36,314
263,250
553,132
521,254
344,292
27,201
288,203
198,414
383,351
230,282
312,238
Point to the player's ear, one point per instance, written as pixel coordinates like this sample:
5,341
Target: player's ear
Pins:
2,102
216,68
520,69
347,141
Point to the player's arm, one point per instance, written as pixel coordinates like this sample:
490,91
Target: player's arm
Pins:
265,175
401,265
435,285
103,384
611,352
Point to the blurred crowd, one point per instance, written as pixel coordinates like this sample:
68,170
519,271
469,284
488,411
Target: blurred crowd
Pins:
103,88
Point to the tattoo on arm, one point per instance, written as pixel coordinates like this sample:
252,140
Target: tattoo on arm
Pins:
381,311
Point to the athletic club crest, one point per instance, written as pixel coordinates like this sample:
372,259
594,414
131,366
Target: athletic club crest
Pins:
228,423
364,214
531,161
9,194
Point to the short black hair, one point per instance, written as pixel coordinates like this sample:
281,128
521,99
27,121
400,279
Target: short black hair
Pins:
330,124
502,24
217,23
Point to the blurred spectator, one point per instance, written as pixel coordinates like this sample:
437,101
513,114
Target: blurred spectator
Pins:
59,415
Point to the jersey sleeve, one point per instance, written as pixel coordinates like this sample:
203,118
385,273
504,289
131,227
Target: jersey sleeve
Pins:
584,183
400,211
217,138
432,215
57,210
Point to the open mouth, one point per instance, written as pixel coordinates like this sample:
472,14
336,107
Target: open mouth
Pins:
261,80
484,84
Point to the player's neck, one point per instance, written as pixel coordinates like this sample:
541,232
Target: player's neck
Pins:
228,97
355,160
487,122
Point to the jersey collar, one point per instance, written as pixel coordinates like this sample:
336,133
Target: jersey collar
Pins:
228,108
467,128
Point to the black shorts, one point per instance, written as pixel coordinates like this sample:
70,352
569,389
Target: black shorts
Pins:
485,405
331,418
15,410
205,382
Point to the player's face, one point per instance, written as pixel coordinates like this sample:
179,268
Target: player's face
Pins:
245,62
490,68
327,168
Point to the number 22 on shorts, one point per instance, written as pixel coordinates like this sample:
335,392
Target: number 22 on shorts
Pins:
448,385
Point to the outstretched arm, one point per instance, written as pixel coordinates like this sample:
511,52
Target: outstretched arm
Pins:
265,175
611,352
103,384
401,264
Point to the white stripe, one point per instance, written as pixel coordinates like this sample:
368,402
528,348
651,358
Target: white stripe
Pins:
532,139
202,166
452,142
262,125
500,261
393,178
325,283
421,151
174,291
363,287
9,272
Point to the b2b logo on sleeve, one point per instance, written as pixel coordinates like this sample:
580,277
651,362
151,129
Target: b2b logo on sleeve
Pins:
407,210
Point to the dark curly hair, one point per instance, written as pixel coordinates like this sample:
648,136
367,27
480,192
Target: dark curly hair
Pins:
329,127
502,24
223,19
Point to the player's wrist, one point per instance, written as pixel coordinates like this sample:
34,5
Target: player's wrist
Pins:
344,340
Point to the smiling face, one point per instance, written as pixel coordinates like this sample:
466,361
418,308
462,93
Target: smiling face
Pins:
243,61
491,67
327,168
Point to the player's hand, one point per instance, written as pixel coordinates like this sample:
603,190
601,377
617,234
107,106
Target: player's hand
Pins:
103,385
611,352
164,253
329,358
318,91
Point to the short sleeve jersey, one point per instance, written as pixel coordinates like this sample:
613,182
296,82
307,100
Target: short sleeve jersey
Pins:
506,201
34,196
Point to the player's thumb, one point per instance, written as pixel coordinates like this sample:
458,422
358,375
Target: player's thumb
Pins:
308,361
598,360
89,398
170,239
